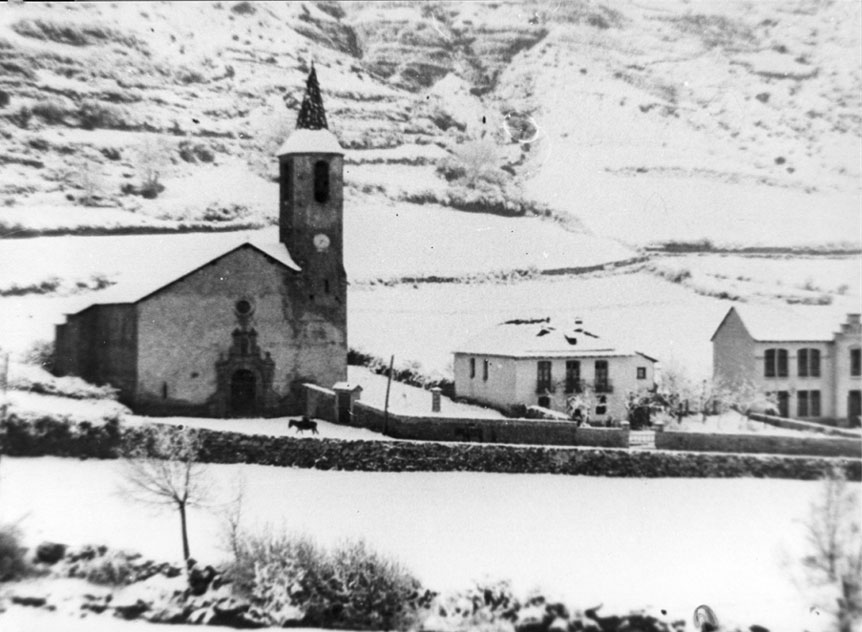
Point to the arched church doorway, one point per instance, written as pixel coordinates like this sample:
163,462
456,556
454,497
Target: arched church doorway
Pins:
242,393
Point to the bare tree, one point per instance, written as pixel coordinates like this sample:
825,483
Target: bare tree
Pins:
167,473
834,538
675,390
479,158
231,513
88,177
152,159
747,398
581,404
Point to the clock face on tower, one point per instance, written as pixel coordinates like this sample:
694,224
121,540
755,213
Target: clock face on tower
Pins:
321,242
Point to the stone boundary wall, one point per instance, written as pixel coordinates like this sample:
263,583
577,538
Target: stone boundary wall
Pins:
761,444
46,436
531,431
320,403
797,424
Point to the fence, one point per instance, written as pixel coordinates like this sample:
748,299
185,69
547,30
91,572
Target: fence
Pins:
762,444
797,424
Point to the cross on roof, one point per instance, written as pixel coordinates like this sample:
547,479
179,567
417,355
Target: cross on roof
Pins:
311,112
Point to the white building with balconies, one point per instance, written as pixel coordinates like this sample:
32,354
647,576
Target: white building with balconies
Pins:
537,363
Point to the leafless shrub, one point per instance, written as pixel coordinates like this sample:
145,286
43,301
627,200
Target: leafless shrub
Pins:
152,159
834,559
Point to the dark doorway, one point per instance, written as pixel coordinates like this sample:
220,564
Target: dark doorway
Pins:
854,407
783,403
242,393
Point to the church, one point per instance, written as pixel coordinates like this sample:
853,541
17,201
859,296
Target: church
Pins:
239,331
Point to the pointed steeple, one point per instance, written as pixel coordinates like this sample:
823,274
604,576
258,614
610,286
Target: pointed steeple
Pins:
311,113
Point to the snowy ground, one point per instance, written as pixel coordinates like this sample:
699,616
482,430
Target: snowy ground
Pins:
404,398
274,427
388,240
733,423
794,279
625,542
27,404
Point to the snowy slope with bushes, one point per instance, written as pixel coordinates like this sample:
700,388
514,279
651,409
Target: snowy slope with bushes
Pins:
647,121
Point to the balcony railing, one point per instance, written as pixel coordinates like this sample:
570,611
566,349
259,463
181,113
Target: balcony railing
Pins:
575,386
603,386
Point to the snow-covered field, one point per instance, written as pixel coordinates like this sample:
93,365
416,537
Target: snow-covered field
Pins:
427,322
383,240
791,278
629,543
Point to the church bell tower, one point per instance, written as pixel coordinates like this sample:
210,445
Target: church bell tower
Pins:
311,201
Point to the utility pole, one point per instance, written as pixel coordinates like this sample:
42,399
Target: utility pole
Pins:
386,403
4,383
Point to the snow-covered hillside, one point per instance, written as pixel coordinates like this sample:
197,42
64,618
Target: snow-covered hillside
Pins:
649,121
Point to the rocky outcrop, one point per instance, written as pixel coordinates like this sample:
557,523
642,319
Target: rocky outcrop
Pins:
50,552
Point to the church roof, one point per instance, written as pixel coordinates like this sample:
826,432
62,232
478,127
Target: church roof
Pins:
176,264
312,135
311,112
541,339
311,141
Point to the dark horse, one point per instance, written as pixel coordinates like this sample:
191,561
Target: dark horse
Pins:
303,424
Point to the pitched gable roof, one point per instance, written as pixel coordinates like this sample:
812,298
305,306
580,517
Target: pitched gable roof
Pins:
540,339
175,264
784,324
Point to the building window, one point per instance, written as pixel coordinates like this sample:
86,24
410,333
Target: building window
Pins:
783,403
641,372
855,362
286,183
321,181
545,401
814,403
808,361
603,384
802,404
775,363
543,377
573,376
808,404
485,364
854,407
472,368
602,407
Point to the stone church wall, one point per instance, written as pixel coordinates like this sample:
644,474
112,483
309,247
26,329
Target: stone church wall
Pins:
99,345
186,327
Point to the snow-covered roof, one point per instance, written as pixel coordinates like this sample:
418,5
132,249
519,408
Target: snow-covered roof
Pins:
541,339
786,324
311,141
176,261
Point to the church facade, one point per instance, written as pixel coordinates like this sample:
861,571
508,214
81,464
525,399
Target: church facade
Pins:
240,331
